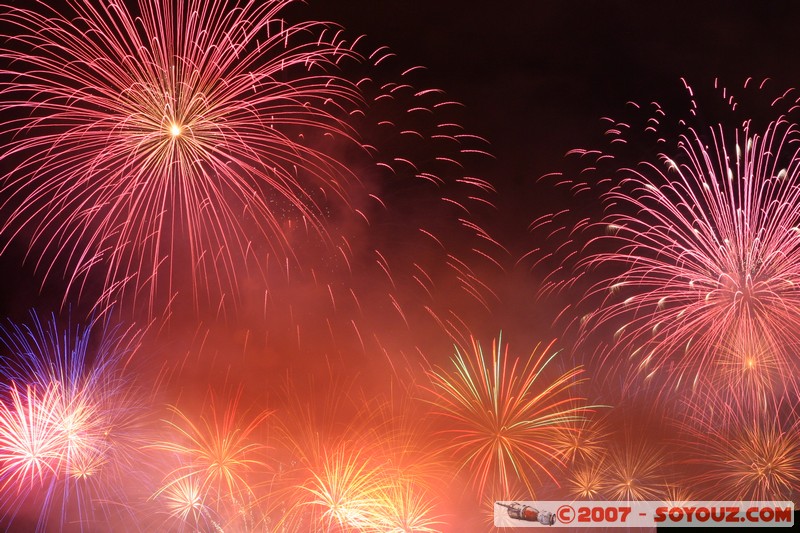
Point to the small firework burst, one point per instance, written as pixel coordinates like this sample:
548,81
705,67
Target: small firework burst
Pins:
749,368
183,501
588,481
582,441
741,453
502,415
32,441
406,507
636,470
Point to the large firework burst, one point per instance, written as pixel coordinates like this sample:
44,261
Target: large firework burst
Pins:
699,252
175,133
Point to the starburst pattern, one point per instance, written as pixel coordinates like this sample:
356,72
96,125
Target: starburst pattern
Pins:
503,415
169,135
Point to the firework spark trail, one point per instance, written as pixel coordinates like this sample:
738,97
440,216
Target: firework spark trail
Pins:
418,252
503,416
698,248
175,134
442,155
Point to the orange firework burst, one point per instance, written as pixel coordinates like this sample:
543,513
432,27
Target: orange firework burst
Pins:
584,440
183,501
405,507
748,369
346,487
334,484
407,500
678,495
503,416
218,456
588,481
356,463
635,471
744,453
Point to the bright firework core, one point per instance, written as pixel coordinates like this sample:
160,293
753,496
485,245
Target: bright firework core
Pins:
175,129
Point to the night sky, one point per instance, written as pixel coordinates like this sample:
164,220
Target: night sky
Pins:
536,78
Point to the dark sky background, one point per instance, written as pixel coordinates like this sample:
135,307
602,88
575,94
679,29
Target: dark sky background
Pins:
536,76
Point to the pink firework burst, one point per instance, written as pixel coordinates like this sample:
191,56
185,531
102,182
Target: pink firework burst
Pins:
183,134
699,256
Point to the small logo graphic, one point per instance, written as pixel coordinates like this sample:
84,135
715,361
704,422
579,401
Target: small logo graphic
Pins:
565,514
518,511
644,514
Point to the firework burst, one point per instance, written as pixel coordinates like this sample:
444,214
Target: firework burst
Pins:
635,471
405,507
183,503
219,460
70,421
698,249
503,414
739,452
346,488
750,368
355,462
584,440
587,481
178,134
32,439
